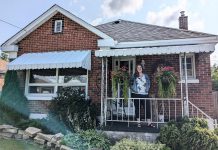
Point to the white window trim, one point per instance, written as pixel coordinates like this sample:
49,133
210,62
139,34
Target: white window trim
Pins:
55,26
50,96
193,78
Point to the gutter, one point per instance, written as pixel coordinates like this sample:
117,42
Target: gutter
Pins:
158,43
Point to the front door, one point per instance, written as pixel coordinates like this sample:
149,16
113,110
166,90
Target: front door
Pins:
129,64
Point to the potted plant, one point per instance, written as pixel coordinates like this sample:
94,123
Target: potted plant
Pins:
166,81
120,76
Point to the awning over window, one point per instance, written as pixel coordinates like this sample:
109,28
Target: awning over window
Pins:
156,50
50,60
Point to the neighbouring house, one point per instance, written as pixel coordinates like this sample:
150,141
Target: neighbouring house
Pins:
3,69
59,49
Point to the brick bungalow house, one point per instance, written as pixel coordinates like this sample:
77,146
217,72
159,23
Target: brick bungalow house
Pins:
59,49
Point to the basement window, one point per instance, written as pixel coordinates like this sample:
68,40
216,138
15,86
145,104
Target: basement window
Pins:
58,26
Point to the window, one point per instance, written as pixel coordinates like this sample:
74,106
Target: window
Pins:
58,26
190,61
46,82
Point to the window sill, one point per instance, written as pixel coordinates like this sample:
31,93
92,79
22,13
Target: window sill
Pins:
37,116
190,81
40,97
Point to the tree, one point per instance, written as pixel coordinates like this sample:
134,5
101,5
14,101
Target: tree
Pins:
4,56
214,72
13,103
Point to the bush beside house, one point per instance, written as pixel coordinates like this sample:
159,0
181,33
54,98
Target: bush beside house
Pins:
127,144
89,139
191,134
71,108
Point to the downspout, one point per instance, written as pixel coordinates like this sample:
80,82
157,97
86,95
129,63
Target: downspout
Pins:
186,100
102,90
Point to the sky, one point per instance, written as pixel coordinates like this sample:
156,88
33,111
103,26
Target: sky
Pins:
202,14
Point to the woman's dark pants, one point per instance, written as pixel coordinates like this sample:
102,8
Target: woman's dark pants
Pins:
142,103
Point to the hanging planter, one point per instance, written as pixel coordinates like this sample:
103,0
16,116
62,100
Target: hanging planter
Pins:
120,76
166,81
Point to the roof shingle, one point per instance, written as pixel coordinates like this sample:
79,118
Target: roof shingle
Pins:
128,31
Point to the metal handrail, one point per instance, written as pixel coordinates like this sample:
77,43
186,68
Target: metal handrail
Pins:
199,110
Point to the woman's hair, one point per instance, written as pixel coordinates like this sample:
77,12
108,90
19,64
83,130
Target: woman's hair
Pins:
136,71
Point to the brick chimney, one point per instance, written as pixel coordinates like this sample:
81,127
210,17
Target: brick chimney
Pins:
183,21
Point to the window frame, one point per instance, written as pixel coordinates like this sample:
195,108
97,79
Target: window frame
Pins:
192,56
49,96
55,26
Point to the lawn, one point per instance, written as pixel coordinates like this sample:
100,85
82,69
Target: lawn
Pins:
17,145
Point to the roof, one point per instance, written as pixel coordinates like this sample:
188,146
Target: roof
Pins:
45,17
50,60
128,31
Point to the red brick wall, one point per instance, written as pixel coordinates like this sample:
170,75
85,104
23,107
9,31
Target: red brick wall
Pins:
39,107
73,37
199,93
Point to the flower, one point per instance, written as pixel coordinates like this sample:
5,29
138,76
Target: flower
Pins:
166,80
120,76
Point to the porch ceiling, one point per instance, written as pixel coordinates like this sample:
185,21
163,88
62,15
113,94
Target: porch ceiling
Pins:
156,50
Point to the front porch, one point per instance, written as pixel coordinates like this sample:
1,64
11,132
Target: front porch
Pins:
119,114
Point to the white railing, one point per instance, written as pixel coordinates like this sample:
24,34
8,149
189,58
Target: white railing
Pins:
152,110
194,111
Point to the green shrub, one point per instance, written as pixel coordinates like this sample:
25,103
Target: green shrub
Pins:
216,131
13,103
189,134
127,144
84,140
202,139
170,135
95,139
199,122
74,141
71,108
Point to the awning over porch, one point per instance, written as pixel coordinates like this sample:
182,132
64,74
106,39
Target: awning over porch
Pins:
50,60
156,50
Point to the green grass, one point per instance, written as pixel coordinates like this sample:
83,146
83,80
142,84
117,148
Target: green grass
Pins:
17,145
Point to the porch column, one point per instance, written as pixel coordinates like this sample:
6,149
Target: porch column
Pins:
87,84
186,100
181,85
105,102
102,90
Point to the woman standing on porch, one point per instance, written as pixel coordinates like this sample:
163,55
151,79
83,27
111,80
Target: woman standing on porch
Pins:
140,85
